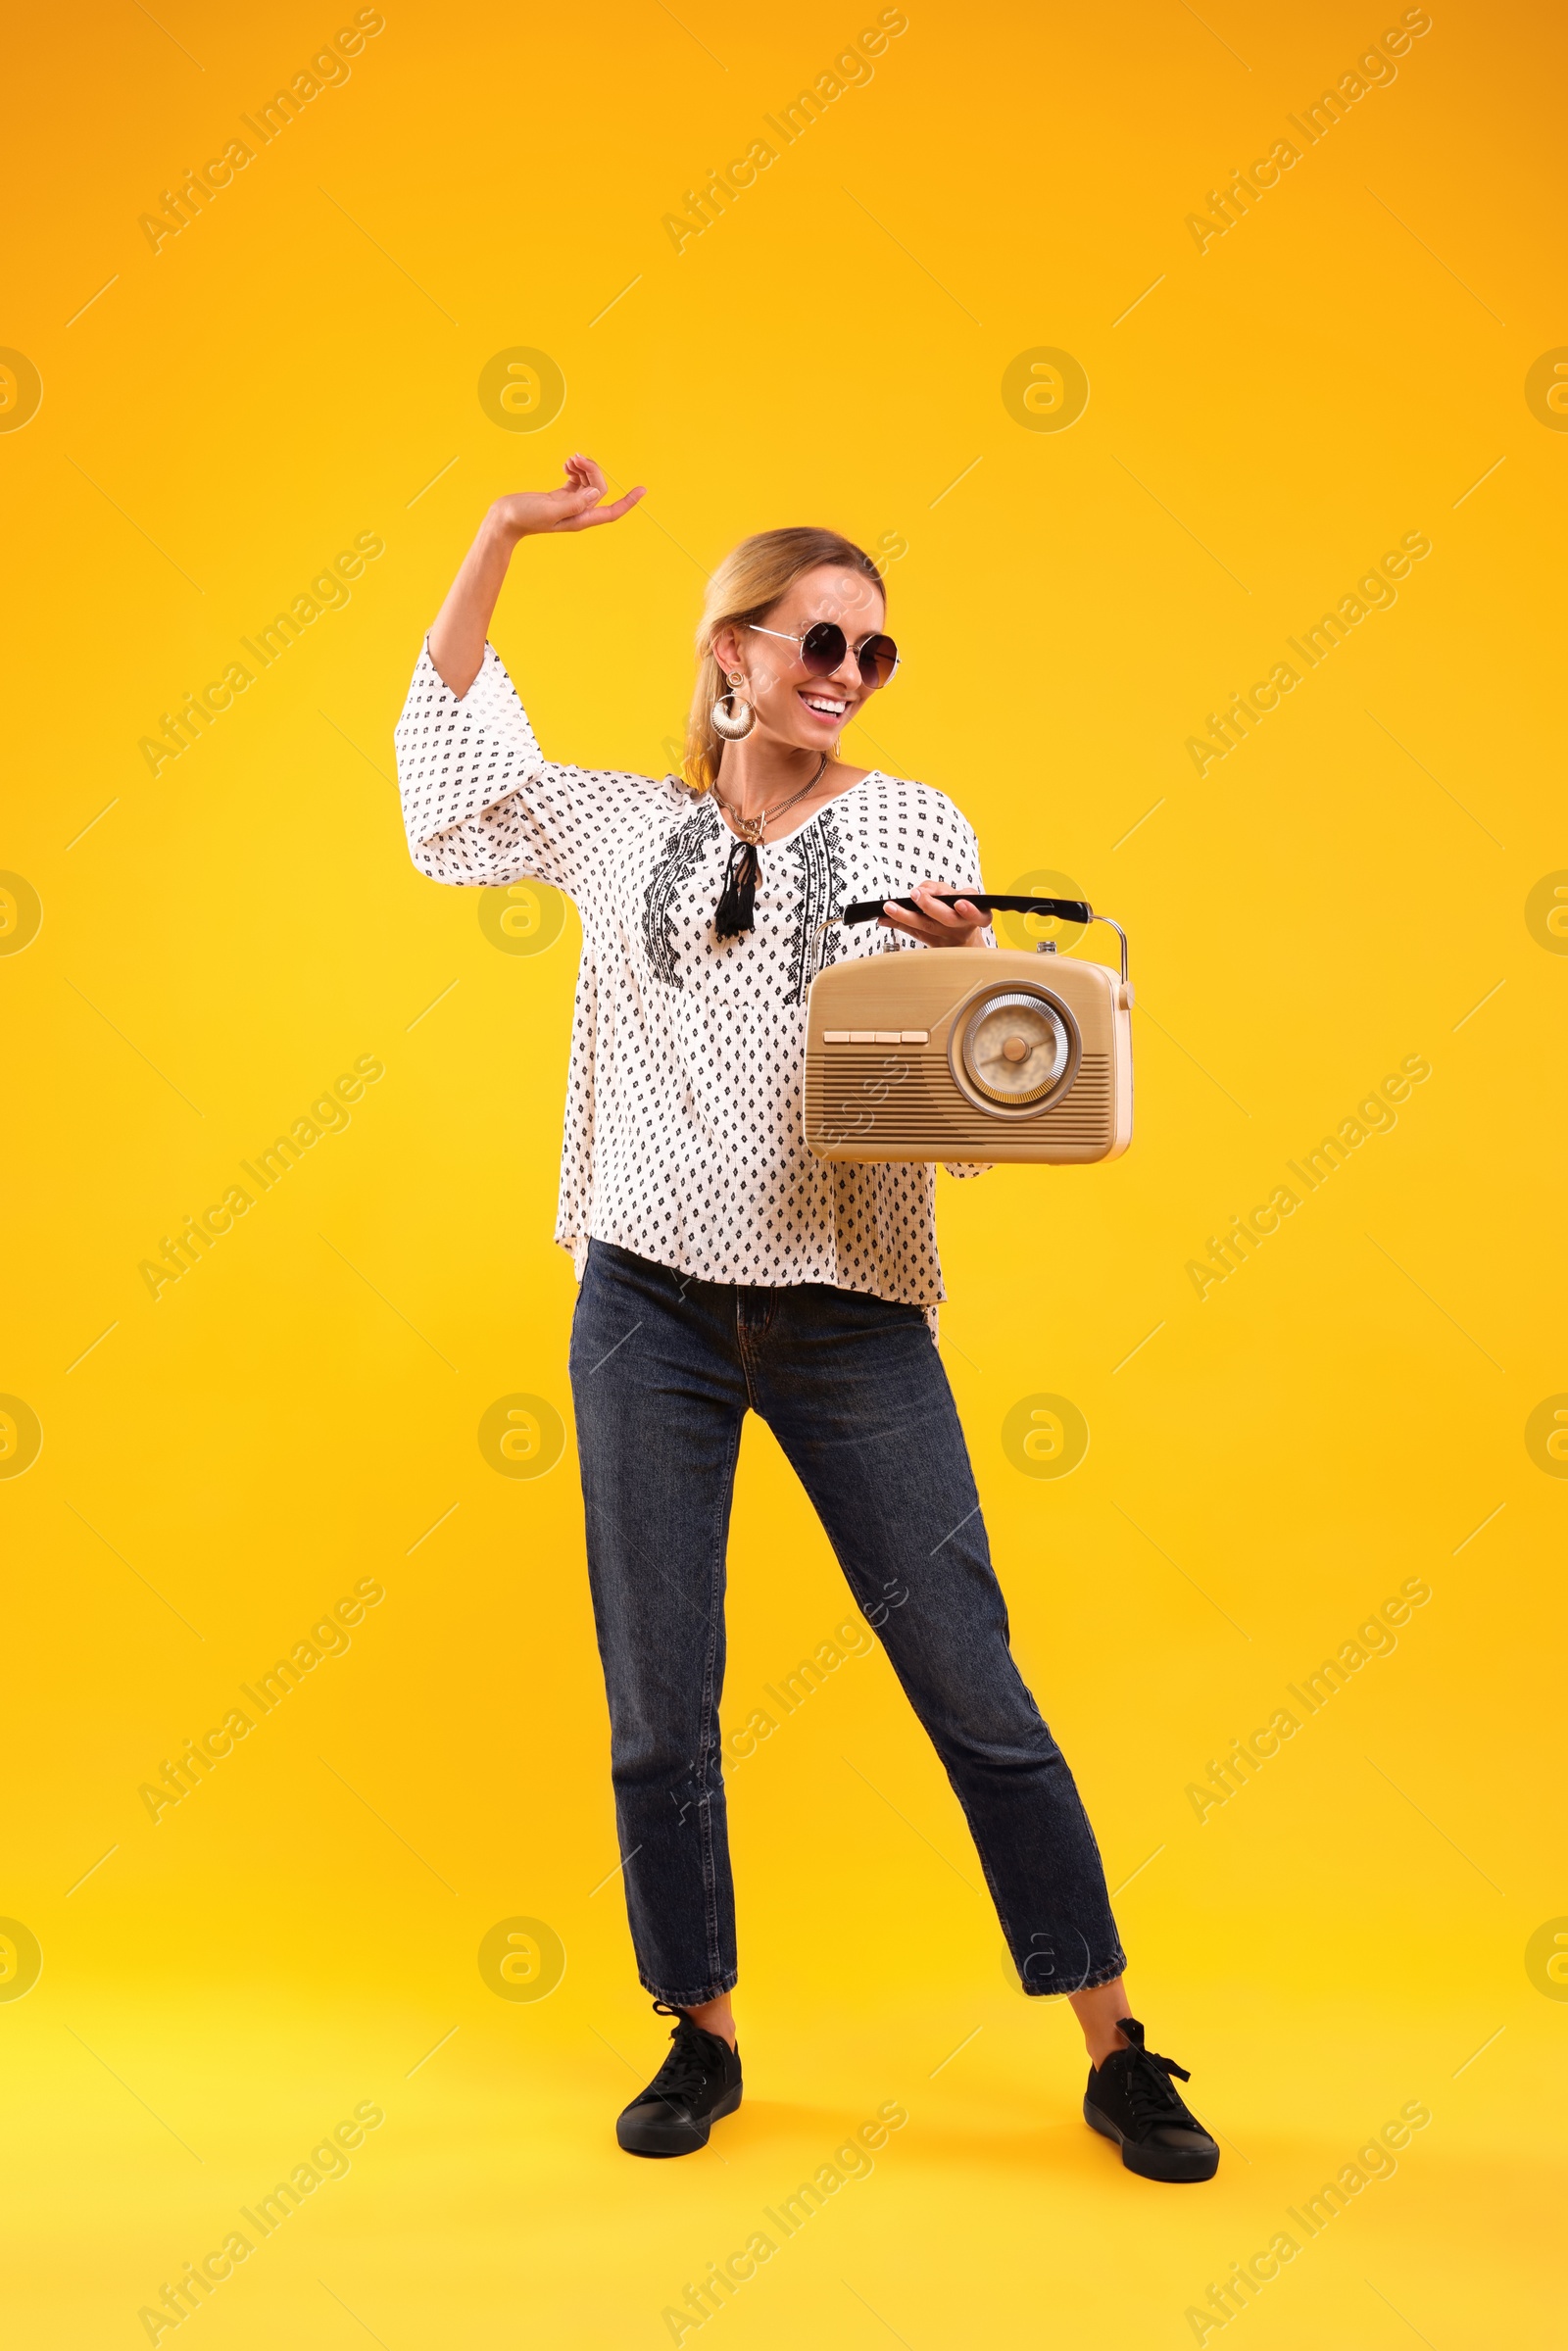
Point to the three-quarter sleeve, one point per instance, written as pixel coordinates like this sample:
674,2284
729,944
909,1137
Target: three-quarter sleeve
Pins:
949,858
949,855
481,804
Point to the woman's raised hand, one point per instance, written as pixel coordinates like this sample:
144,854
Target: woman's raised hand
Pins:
575,506
457,636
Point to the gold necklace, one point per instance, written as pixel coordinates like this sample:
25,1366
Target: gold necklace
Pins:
751,828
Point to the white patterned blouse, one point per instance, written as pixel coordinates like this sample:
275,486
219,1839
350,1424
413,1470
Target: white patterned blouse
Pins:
684,1139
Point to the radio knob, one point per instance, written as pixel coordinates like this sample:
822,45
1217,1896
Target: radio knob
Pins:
1014,1047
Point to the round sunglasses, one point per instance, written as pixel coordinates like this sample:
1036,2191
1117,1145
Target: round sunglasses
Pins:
823,647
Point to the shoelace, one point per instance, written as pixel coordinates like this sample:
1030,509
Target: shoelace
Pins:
686,2070
1150,2092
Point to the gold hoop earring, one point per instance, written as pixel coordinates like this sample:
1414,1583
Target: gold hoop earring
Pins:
733,719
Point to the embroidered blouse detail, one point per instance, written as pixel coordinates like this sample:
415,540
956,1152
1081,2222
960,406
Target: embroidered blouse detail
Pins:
683,1133
819,861
678,861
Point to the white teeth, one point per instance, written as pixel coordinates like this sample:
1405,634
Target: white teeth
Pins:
831,709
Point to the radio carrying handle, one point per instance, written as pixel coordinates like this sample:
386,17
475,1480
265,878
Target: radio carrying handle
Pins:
1066,910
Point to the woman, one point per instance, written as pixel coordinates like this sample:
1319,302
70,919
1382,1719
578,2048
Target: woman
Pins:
724,1268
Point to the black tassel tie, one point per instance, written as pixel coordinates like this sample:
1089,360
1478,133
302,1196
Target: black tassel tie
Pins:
737,900
734,914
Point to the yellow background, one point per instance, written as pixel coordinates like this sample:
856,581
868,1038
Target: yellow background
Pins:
299,366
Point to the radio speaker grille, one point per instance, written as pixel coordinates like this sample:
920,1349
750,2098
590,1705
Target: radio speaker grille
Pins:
924,1114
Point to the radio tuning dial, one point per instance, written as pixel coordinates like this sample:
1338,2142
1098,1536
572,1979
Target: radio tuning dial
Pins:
1014,1048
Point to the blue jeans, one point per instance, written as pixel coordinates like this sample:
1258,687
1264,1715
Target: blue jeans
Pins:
664,1370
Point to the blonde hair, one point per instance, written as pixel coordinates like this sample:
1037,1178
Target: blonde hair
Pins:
748,584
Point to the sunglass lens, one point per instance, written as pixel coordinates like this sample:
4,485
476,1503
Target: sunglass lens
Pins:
823,648
878,658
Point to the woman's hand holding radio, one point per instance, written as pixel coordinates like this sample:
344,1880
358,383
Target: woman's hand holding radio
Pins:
458,638
938,925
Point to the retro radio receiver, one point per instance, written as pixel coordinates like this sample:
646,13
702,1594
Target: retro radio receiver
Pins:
971,1053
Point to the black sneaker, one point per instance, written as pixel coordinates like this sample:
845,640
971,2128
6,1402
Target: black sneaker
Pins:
697,2083
1132,2099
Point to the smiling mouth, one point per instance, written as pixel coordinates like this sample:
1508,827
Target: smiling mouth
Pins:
823,706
